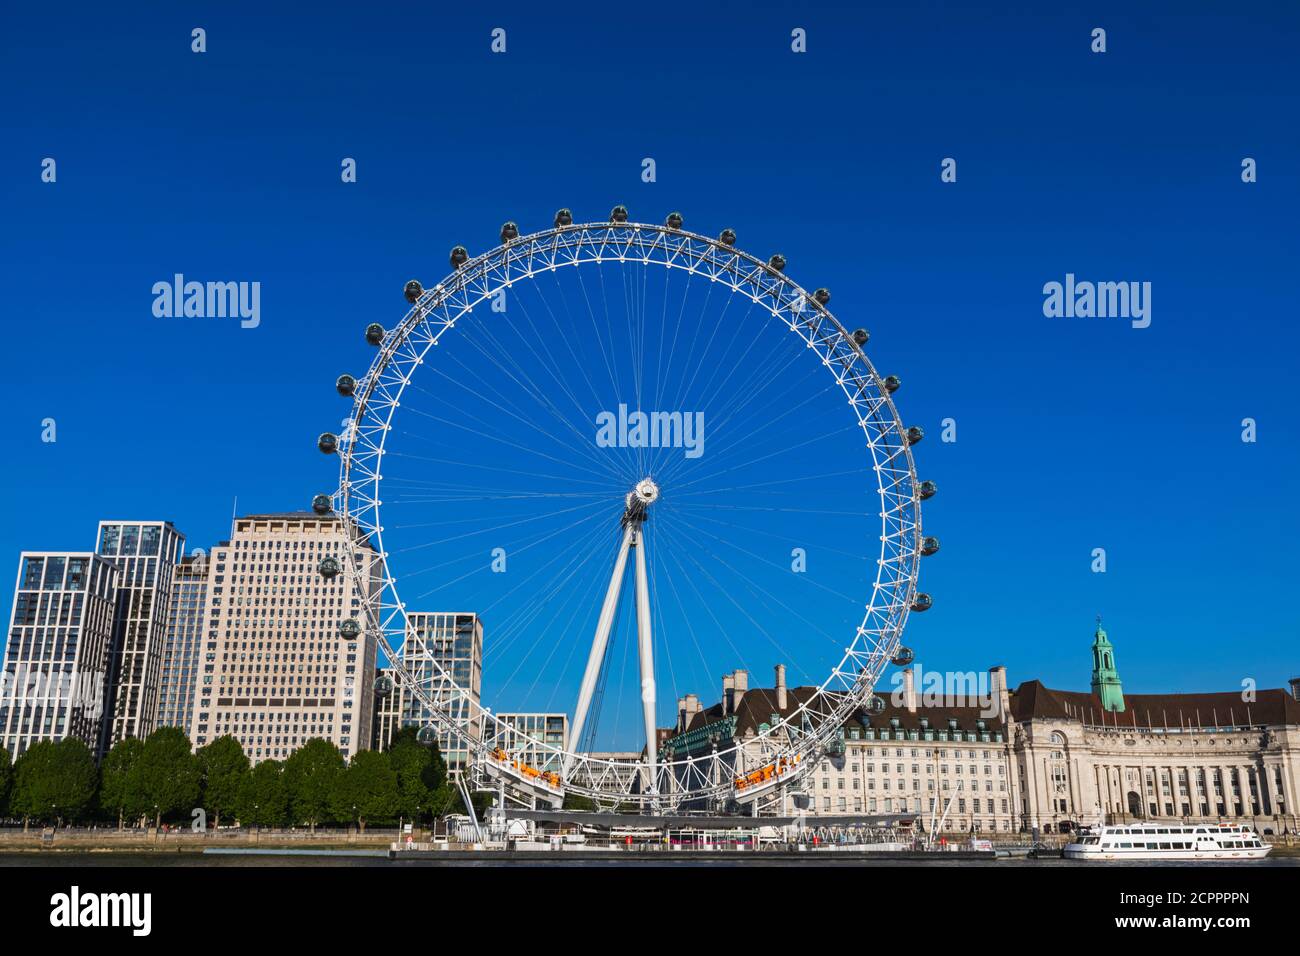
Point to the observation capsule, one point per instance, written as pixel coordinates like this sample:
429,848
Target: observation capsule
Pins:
618,214
674,220
861,337
727,237
927,489
914,434
375,333
892,383
328,568
349,629
923,602
346,385
509,231
929,546
413,291
322,504
777,263
459,256
563,217
328,443
903,657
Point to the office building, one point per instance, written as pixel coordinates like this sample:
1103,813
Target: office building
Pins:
56,663
441,647
187,627
532,738
290,653
145,553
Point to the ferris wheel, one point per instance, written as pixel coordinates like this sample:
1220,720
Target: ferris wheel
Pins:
609,394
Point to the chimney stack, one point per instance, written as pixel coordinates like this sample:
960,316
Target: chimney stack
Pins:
740,683
728,685
909,690
781,699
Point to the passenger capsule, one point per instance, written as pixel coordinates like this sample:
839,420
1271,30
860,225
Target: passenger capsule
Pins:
322,504
903,657
922,602
674,220
861,337
929,546
777,263
892,383
914,434
349,629
375,333
563,217
383,686
427,736
413,292
727,237
618,214
822,297
926,489
346,385
875,704
328,568
328,443
459,256
509,231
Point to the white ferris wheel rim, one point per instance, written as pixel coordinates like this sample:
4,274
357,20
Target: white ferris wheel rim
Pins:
795,737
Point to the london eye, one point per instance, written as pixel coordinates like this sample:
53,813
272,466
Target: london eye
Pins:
642,457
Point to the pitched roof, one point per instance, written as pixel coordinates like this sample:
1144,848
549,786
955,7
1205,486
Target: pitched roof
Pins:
758,704
1227,709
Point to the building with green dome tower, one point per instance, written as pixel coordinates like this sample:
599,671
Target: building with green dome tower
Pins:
1105,678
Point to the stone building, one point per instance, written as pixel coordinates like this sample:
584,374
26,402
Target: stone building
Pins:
1115,757
972,760
946,760
289,654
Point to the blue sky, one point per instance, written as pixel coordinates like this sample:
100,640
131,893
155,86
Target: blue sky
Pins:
1072,434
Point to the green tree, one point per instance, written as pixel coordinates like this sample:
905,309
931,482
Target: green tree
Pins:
312,775
421,776
367,789
574,801
263,797
116,788
54,780
6,779
165,778
223,767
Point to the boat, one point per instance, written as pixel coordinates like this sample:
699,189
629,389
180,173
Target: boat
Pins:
1152,841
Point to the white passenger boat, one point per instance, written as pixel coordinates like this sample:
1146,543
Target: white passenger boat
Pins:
1153,841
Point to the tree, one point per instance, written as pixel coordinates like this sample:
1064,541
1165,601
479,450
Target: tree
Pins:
421,776
263,798
367,790
223,767
574,801
311,775
54,780
6,779
165,778
116,792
